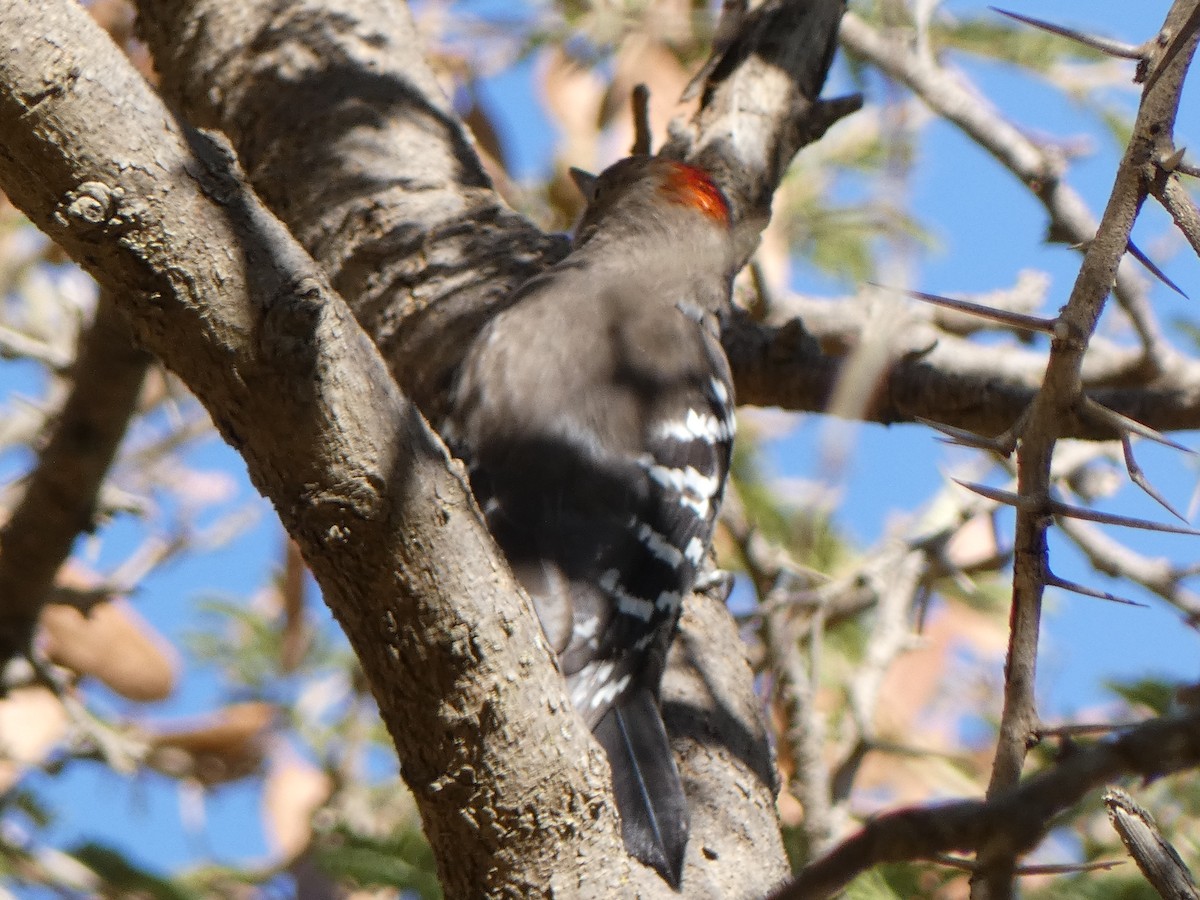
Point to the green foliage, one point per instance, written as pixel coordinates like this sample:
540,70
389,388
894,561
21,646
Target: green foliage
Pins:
403,860
994,37
124,878
1123,884
843,239
1116,121
247,643
1187,328
899,882
808,533
1149,692
873,886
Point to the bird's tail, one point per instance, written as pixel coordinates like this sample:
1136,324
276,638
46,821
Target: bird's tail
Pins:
654,819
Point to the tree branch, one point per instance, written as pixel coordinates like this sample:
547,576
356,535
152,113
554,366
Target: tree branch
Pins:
60,494
347,136
1060,393
1017,817
794,364
217,289
380,181
1070,220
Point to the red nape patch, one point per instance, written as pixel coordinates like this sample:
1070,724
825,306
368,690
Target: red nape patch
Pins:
693,187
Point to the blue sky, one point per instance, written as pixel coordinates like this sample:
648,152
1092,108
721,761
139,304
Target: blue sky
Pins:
986,230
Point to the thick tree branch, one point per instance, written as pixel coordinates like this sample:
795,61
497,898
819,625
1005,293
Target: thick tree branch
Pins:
347,136
60,493
984,389
218,290
759,105
382,185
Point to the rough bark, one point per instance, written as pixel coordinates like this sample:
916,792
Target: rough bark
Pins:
513,791
385,189
381,183
347,136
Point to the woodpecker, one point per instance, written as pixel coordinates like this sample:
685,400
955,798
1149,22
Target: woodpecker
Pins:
595,414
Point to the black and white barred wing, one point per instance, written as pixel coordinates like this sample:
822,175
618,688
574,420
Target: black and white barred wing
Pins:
622,627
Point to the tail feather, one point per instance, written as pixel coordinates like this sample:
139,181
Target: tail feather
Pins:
654,820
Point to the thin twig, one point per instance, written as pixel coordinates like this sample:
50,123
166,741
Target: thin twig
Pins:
1018,817
643,139
1046,505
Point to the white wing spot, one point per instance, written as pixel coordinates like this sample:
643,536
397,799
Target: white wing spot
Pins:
719,390
695,551
635,606
695,426
668,601
627,604
595,685
586,630
659,546
695,489
607,693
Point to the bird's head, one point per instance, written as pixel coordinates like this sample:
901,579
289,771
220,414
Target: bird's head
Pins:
640,193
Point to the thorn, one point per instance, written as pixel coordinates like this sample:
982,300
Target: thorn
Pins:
1053,580
1014,319
1072,730
1171,163
1187,169
1154,270
1119,422
1138,477
1105,45
1008,498
1058,508
643,142
962,438
1069,868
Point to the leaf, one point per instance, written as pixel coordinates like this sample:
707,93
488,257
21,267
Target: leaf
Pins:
1149,692
871,886
404,861
841,240
809,534
127,877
